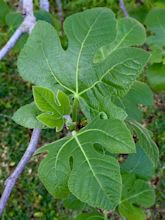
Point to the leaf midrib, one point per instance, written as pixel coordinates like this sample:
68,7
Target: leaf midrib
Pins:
121,40
81,134
136,195
102,77
114,49
50,104
90,166
80,53
52,73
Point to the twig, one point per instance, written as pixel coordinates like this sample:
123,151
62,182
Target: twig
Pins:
60,11
44,4
26,27
11,43
10,182
123,8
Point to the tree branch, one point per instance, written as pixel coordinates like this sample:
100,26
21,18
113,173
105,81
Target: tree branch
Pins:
44,4
10,182
26,26
123,8
60,11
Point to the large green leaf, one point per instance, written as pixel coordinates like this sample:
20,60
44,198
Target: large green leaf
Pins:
145,141
156,76
44,62
69,67
73,163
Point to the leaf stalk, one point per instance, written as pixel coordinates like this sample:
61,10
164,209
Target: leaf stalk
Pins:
75,109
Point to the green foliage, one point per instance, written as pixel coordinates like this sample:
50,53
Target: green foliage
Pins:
139,164
4,9
122,100
145,141
26,116
96,168
136,192
13,19
99,67
53,110
131,212
139,94
155,22
71,202
89,217
43,16
53,61
128,30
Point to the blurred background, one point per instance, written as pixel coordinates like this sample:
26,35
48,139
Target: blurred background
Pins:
29,199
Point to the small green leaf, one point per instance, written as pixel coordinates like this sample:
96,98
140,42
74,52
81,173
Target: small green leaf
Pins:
131,212
64,102
26,116
137,191
51,121
87,216
43,16
136,194
45,100
54,109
